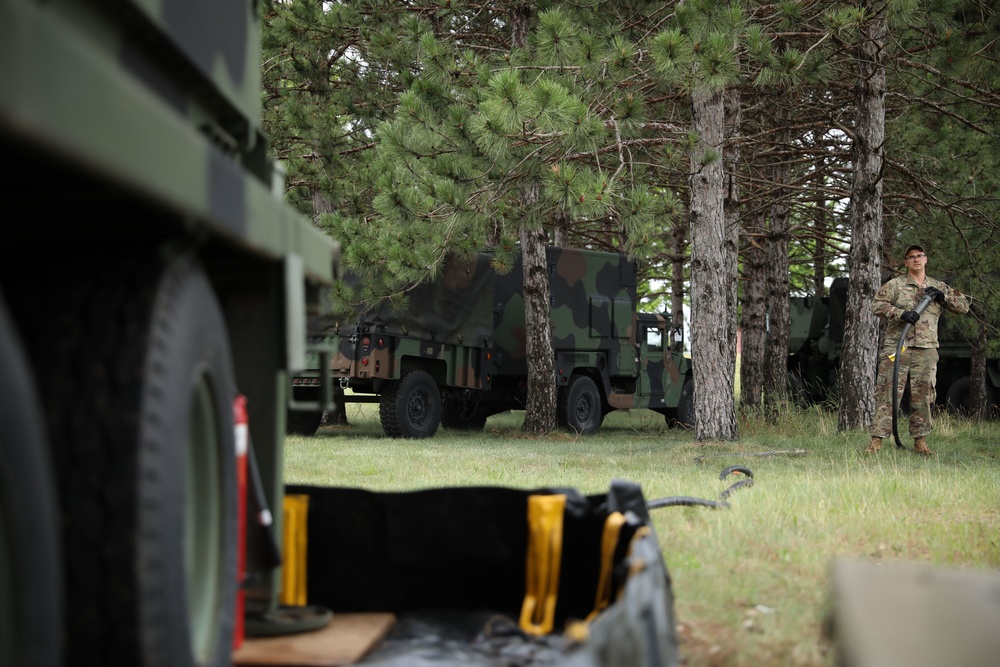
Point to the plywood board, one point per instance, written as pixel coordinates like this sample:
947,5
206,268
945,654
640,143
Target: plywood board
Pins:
344,641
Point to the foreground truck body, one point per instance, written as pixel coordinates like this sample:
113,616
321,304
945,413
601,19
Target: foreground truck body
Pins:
817,334
150,272
150,279
456,353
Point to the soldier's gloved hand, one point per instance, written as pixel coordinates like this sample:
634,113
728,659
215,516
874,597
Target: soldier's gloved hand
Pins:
935,294
910,316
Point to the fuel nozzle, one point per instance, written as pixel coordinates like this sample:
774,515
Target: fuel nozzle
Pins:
922,306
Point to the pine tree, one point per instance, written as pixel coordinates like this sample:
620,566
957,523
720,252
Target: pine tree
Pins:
699,54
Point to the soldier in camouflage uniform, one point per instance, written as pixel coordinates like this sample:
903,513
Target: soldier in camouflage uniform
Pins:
895,302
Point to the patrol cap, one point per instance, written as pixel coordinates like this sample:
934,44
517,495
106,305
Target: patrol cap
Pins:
912,246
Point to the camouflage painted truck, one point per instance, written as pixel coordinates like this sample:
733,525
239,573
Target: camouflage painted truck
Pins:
150,276
456,353
816,337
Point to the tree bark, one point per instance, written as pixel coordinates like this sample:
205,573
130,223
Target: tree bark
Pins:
754,319
713,271
540,406
820,229
732,116
778,286
320,204
540,409
560,229
677,262
860,351
978,396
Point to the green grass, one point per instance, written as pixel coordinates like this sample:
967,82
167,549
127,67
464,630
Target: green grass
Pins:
752,582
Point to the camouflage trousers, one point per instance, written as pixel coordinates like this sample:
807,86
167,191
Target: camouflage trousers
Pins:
920,363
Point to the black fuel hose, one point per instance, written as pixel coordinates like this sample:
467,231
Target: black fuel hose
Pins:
921,307
265,521
688,501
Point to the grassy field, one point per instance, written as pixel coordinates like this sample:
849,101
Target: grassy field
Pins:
751,582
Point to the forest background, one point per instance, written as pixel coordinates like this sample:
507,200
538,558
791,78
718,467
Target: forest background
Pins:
741,151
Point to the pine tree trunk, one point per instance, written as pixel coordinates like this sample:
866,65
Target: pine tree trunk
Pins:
540,406
320,204
819,230
732,116
540,410
560,229
677,262
713,268
978,397
859,358
778,288
754,317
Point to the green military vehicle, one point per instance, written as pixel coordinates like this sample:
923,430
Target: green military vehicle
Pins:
817,333
149,271
151,279
456,353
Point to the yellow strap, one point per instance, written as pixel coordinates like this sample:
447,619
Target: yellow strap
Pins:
545,535
295,535
609,542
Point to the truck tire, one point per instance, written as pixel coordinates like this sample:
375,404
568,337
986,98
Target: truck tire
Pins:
798,390
579,408
411,408
303,422
461,414
957,399
138,388
30,566
685,405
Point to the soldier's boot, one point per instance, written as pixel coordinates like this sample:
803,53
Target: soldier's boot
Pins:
875,445
920,447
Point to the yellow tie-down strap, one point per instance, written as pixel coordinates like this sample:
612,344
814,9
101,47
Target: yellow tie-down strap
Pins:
545,541
609,543
580,630
295,536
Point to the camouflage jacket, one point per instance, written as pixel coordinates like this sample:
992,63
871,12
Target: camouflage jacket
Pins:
903,293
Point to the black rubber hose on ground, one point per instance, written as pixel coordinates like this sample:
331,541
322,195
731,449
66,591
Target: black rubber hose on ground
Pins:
926,301
688,501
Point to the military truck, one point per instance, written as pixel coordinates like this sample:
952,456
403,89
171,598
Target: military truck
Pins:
455,354
816,337
152,285
149,271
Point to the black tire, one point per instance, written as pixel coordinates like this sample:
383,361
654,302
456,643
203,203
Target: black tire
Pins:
136,377
460,414
30,566
579,408
685,405
957,398
798,391
304,422
411,408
